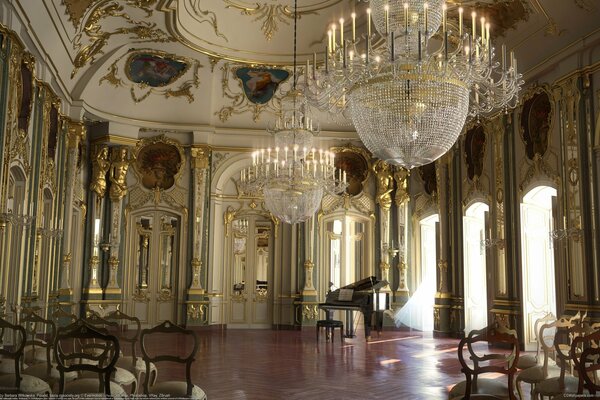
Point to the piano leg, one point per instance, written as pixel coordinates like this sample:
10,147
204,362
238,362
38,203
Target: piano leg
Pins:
379,322
349,324
368,315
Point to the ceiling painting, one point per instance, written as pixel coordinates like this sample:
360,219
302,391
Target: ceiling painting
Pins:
150,71
256,91
260,84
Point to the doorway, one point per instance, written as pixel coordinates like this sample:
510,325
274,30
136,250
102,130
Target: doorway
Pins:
155,264
417,313
539,295
475,267
251,273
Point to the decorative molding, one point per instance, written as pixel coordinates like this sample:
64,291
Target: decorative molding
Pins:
217,158
268,14
142,90
91,38
310,312
208,17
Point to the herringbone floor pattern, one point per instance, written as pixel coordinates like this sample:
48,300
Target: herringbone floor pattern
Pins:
290,365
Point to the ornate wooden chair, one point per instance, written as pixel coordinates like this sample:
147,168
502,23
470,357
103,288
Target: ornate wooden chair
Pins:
531,360
121,376
82,347
539,373
38,353
502,359
13,338
171,333
132,362
566,332
586,358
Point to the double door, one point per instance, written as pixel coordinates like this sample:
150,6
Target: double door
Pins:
154,266
250,283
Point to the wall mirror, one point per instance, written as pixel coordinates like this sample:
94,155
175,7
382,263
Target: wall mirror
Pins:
240,240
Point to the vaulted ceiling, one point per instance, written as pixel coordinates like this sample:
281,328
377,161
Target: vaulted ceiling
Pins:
98,49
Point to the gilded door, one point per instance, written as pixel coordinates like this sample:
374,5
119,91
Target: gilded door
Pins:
154,266
250,265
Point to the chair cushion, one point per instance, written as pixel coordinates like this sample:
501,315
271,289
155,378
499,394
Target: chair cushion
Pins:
39,370
29,384
7,366
121,376
527,361
176,389
126,362
493,387
550,386
37,354
90,386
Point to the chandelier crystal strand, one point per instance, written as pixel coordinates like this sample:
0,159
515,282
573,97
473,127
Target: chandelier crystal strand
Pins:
293,176
411,81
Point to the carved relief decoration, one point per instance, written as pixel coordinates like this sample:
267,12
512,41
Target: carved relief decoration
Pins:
158,162
151,71
269,15
355,161
91,37
536,126
22,68
205,16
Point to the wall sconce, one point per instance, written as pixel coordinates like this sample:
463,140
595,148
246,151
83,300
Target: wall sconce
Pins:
15,220
487,243
390,249
561,234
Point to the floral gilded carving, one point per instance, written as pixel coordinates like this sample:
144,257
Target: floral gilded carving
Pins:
91,38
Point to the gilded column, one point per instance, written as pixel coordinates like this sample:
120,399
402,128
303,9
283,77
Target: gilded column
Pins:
385,186
309,287
442,306
118,190
200,158
75,133
401,199
569,96
98,186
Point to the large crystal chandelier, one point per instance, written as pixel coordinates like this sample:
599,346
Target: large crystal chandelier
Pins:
410,87
293,176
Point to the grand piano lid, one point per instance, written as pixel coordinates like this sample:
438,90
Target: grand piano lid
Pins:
369,283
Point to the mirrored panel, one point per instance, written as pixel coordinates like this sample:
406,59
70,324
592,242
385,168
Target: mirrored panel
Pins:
261,259
240,240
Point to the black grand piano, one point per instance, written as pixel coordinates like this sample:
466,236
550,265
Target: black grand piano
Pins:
360,296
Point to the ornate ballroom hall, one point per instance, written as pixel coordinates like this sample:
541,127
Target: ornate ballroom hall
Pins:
231,166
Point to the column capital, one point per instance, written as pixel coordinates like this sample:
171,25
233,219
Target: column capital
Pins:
200,156
75,133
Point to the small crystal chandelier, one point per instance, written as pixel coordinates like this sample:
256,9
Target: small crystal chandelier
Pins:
410,88
293,176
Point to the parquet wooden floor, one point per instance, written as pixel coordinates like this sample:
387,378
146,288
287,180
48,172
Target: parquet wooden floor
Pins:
291,365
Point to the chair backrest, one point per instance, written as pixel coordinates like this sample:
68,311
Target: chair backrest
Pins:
549,317
164,353
80,358
59,316
125,335
582,348
546,336
35,326
588,367
504,360
14,351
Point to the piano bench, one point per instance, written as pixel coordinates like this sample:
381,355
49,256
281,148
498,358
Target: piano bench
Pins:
330,325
